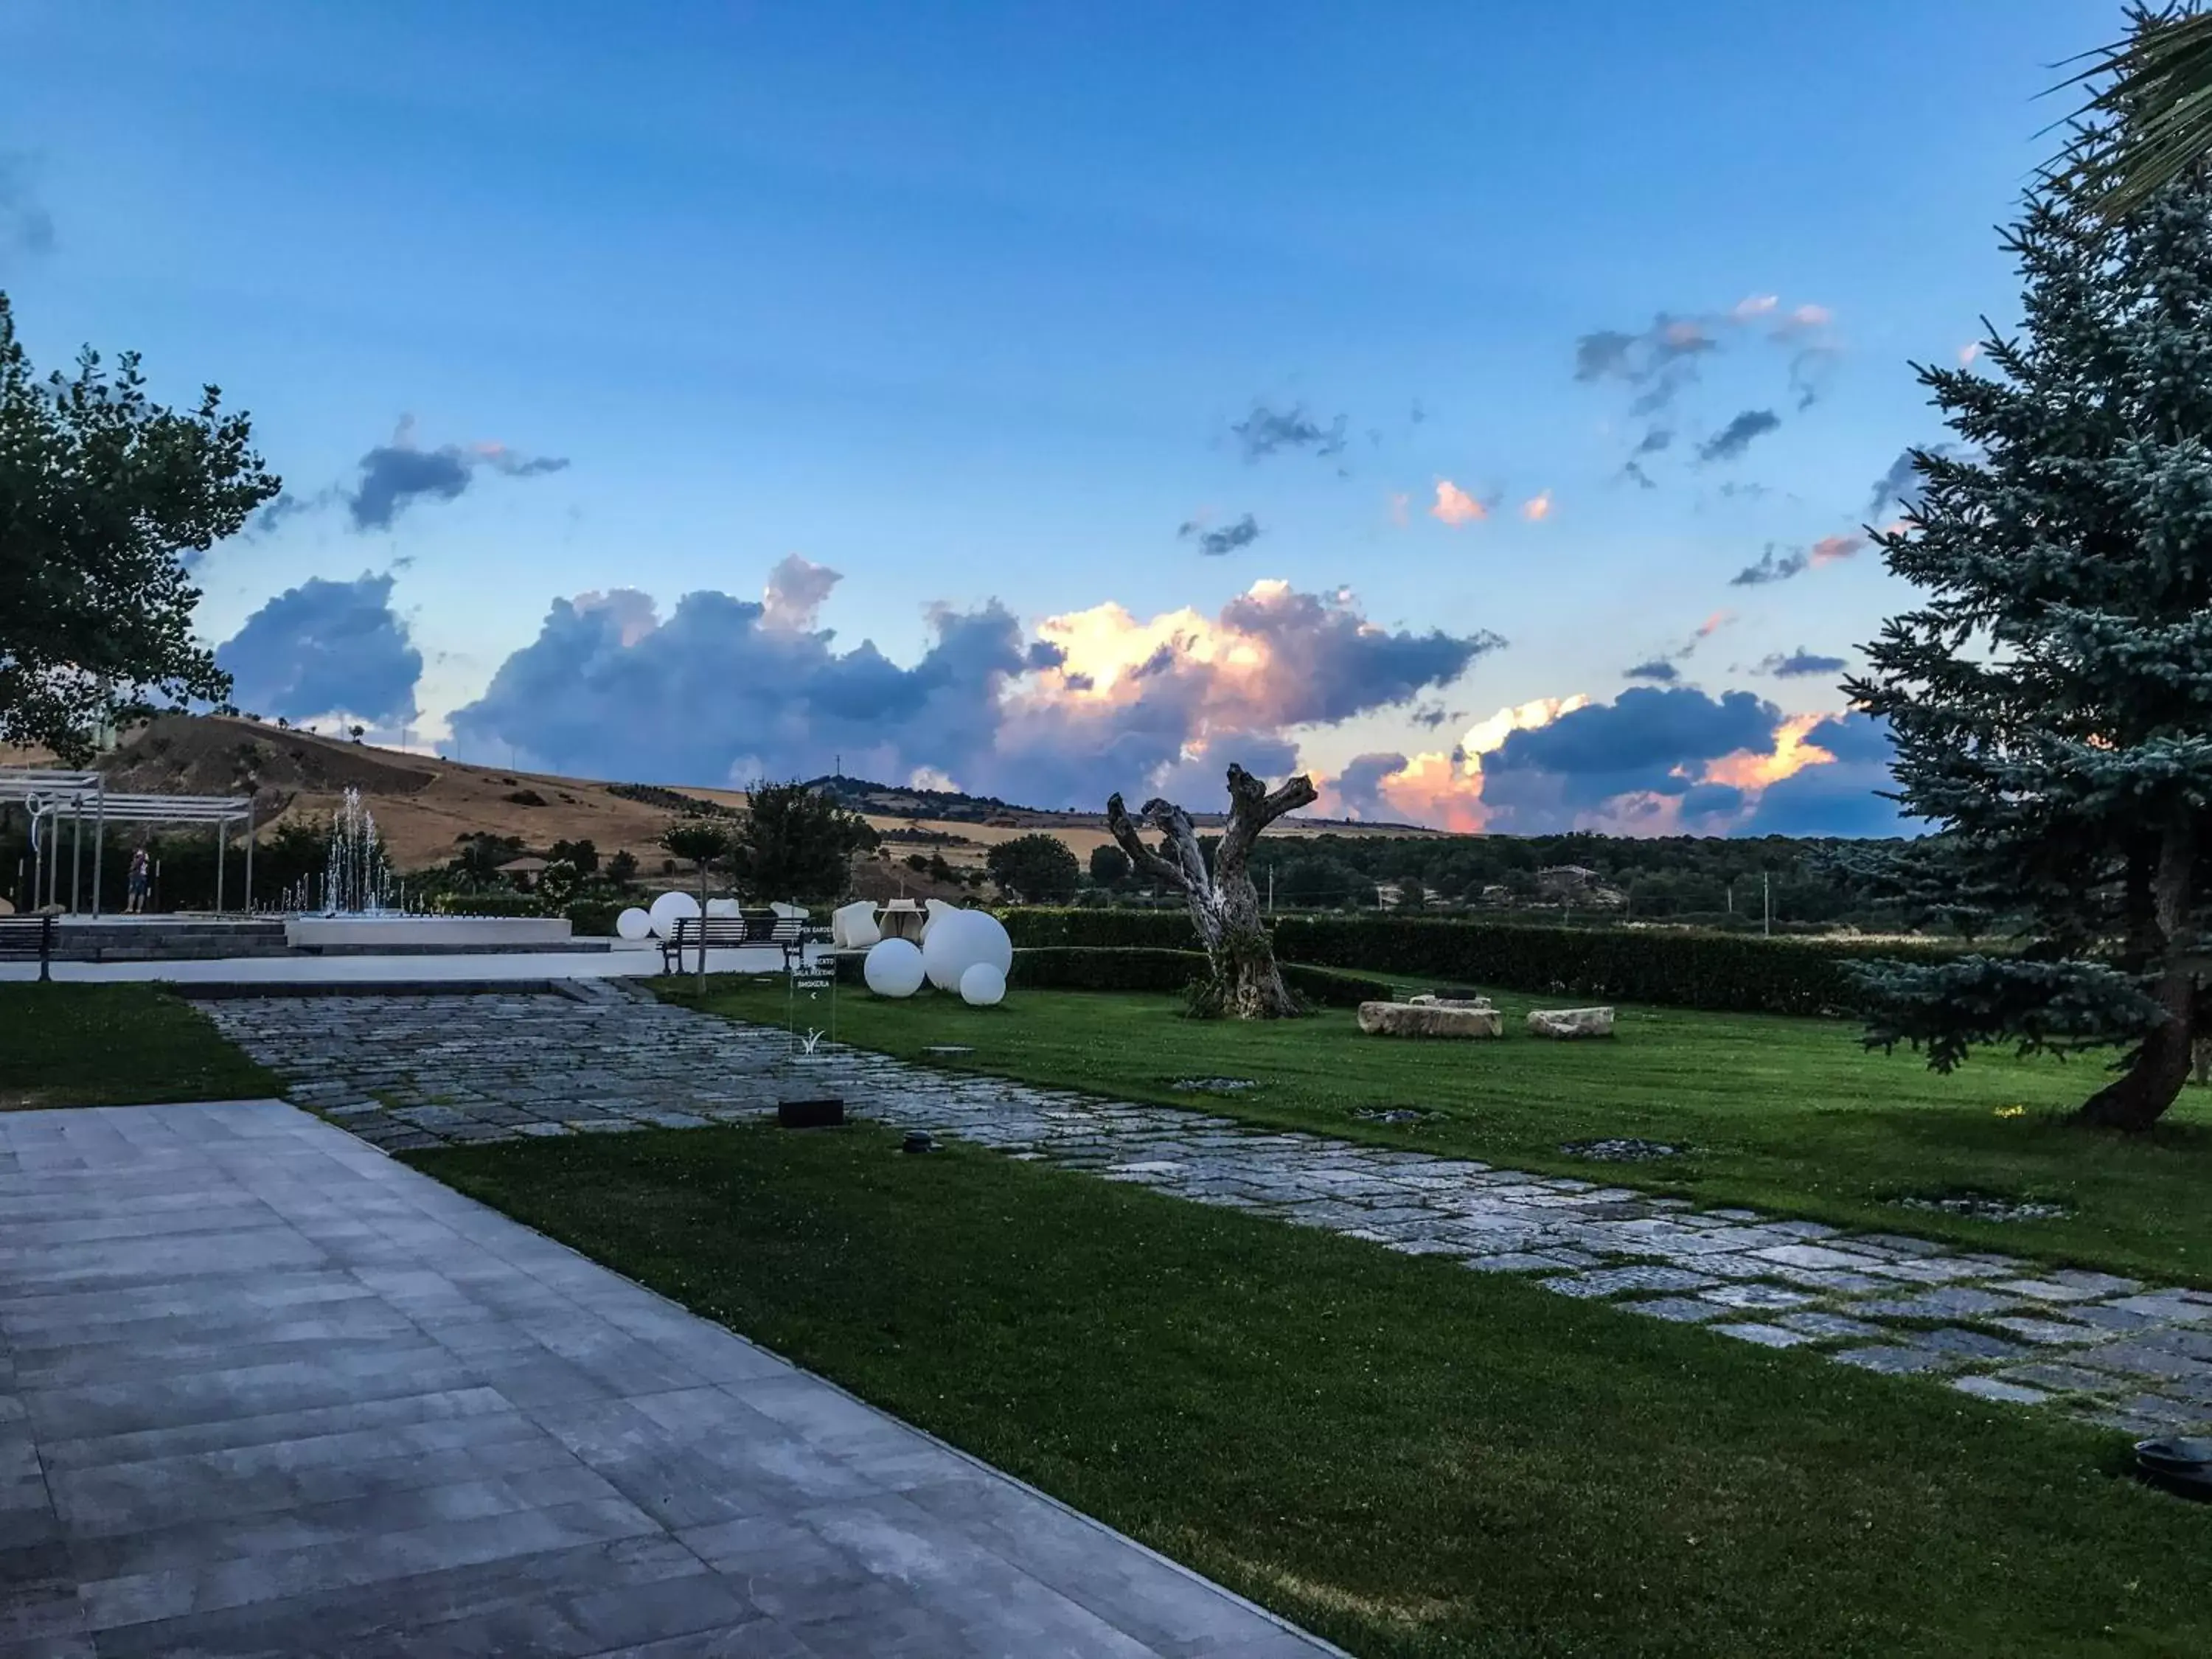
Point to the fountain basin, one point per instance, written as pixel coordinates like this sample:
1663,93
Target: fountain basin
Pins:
402,934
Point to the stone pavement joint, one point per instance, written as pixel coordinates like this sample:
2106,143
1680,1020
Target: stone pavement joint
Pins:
404,1072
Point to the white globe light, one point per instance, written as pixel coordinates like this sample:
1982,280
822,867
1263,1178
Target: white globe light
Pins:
945,952
633,924
722,907
983,986
668,908
993,944
893,968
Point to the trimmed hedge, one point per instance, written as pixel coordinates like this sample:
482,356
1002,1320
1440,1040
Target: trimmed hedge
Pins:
1081,968
488,904
593,918
1725,972
1084,968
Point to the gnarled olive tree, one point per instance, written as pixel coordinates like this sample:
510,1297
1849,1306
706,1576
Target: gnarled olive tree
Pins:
1243,981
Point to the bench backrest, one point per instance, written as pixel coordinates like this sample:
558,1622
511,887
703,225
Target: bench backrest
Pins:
26,936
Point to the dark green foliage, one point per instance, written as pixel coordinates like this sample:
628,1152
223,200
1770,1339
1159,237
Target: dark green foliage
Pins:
581,854
697,839
796,843
103,496
2051,698
1144,968
524,797
1664,877
1414,1461
1109,865
481,853
622,868
1724,971
593,918
1319,882
673,800
1034,869
494,902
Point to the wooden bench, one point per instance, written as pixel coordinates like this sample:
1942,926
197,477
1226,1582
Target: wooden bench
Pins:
788,933
22,938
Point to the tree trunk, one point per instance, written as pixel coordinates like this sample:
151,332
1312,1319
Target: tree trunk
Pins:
1242,980
2139,1096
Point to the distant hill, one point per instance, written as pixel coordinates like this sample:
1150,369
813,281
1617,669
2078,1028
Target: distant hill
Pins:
425,804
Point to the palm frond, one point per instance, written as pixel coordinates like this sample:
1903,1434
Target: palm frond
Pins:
2156,89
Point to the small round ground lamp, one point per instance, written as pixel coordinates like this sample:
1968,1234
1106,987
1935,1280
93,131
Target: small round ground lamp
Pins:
633,924
983,986
892,968
2180,1464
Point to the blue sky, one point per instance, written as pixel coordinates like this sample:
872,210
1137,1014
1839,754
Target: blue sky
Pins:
965,303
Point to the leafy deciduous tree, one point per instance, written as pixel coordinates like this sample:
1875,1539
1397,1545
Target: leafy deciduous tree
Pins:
105,496
1036,869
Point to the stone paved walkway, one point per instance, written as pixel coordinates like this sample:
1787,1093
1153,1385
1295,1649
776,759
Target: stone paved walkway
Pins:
264,1392
407,1072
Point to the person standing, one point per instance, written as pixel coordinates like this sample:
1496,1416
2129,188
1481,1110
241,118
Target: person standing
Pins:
141,880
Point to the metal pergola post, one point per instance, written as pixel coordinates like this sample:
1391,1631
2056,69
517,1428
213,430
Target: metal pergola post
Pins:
76,851
249,856
220,838
99,848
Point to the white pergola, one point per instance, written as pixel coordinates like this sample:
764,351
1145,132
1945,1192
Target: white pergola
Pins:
50,795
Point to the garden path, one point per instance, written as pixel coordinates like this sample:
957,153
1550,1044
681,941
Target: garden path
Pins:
404,1072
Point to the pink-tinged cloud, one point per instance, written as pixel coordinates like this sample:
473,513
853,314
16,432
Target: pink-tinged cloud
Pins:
1811,317
1829,549
1537,508
1714,623
1752,306
1653,762
1791,754
1454,506
1400,502
1968,352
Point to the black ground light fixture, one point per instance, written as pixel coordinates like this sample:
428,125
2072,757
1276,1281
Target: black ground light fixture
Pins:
2180,1464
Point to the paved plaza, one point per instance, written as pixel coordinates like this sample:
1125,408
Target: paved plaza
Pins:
266,1391
420,1071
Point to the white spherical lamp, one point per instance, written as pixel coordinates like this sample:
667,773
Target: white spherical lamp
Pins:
993,944
945,948
983,986
667,909
893,968
633,924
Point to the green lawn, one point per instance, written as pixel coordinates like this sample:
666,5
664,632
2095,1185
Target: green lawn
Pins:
1788,1114
1410,1458
115,1045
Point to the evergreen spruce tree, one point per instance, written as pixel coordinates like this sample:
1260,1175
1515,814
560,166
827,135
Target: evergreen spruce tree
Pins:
2050,699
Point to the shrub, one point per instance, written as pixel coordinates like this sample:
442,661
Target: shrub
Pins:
488,904
1731,973
593,918
1140,968
1081,968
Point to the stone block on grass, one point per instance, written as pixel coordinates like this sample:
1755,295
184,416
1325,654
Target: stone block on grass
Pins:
1570,1023
1429,1020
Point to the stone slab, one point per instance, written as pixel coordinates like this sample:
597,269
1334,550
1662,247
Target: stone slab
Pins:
289,1396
